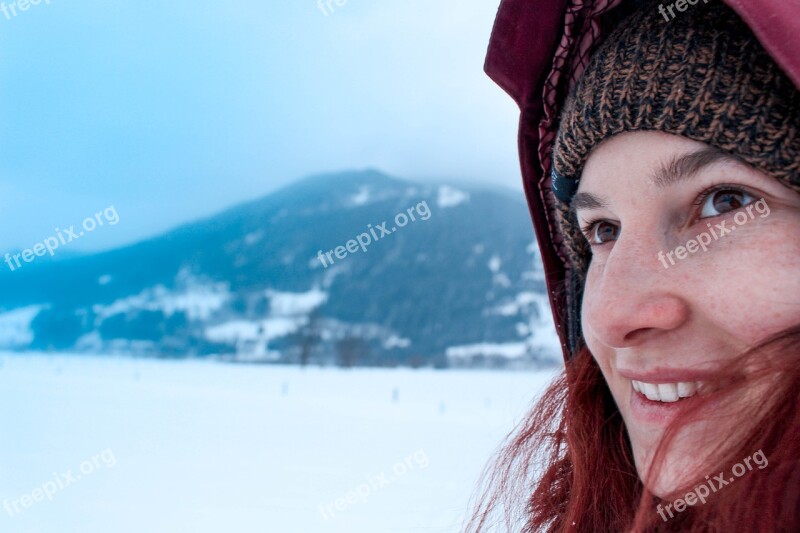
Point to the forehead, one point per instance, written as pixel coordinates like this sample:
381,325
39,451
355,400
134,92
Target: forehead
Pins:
634,152
641,161
644,162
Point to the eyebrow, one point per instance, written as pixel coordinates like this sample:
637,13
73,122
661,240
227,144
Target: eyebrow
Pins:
687,166
675,170
586,200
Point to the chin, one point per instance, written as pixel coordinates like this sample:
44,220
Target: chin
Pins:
680,469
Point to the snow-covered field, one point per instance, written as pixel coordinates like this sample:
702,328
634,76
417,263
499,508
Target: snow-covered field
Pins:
112,445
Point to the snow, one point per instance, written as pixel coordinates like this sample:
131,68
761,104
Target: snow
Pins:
246,329
254,237
522,301
498,278
289,311
252,337
507,350
539,338
15,326
198,301
396,342
542,334
295,303
206,447
361,197
450,197
501,280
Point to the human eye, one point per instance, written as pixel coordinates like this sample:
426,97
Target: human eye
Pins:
722,199
599,232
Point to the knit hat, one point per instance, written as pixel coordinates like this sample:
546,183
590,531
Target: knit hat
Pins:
701,75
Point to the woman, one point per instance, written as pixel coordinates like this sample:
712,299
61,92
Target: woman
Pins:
670,231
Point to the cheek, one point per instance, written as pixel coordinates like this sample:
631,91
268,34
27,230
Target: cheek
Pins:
589,307
587,311
745,286
749,286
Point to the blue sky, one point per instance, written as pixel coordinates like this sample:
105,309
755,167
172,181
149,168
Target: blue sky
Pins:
171,111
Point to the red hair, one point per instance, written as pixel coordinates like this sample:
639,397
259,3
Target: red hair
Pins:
569,465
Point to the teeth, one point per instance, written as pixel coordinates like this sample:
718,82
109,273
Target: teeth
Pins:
667,392
687,389
650,390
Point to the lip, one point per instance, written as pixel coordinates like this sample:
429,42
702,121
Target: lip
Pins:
658,413
667,375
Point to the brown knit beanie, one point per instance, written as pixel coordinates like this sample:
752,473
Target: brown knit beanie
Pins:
702,75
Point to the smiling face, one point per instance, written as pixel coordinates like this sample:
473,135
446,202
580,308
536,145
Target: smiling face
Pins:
694,259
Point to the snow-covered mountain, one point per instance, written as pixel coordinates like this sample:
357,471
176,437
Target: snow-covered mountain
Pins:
449,277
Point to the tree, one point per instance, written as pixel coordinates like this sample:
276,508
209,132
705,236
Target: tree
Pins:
308,337
350,350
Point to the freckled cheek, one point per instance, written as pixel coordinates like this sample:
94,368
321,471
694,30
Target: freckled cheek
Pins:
588,314
602,354
591,305
604,357
752,290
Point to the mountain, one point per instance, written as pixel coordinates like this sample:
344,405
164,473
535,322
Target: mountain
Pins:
355,268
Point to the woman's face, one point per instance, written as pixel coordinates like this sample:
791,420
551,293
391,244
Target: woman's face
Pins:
695,258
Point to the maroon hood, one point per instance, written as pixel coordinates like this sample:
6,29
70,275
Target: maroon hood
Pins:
539,48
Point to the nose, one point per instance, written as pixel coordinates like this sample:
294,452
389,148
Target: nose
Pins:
630,298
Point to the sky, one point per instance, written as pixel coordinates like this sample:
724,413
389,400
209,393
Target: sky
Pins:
173,111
